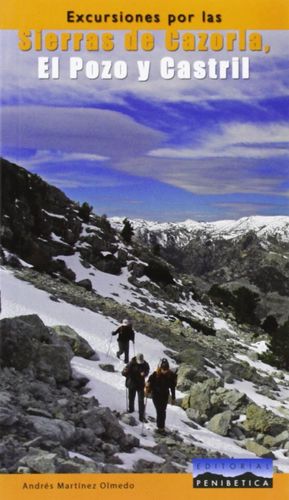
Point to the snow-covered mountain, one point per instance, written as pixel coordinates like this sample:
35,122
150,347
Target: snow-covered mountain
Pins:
251,252
181,233
74,271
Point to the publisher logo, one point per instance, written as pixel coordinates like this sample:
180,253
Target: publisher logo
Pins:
232,473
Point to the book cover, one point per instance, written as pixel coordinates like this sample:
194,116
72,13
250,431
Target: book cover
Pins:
144,331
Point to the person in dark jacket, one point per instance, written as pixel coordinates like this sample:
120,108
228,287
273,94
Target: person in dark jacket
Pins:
135,372
159,385
125,334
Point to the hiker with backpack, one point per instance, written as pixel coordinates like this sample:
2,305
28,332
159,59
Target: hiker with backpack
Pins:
125,333
135,372
160,383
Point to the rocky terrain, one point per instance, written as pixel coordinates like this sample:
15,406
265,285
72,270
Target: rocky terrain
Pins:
252,252
70,276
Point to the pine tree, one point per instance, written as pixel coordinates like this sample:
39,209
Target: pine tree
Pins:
270,324
84,211
245,305
127,231
279,345
278,353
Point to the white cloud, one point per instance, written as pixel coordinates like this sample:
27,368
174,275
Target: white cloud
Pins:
207,176
237,140
78,131
42,157
65,181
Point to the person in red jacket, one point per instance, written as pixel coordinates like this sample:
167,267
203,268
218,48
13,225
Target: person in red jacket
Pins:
159,385
135,372
125,334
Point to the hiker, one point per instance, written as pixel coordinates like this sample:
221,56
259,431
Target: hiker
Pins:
159,384
125,334
135,372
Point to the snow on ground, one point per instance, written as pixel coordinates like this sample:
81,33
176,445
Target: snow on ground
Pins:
122,291
57,216
57,238
259,365
23,262
19,298
260,346
129,459
222,324
88,229
113,286
73,454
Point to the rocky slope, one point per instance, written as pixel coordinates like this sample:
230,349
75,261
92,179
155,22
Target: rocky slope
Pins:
46,422
251,252
69,269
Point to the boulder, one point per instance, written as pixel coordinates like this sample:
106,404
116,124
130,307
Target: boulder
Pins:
186,375
192,356
79,345
54,360
92,420
200,396
128,442
106,367
258,449
5,397
278,441
19,340
53,429
261,420
87,436
137,269
86,283
229,400
39,461
128,420
266,440
109,449
13,261
78,467
8,416
112,427
196,415
241,370
122,256
168,468
221,423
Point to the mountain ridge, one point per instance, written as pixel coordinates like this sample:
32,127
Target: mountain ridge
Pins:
228,229
74,271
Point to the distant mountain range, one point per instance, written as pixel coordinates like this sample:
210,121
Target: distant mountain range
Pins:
252,252
181,233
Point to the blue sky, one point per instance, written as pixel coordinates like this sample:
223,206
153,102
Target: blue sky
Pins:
161,150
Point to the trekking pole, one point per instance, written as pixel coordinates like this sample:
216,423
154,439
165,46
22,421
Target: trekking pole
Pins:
126,392
142,433
109,347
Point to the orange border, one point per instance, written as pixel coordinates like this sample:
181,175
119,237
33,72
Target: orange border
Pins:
237,14
50,14
146,487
